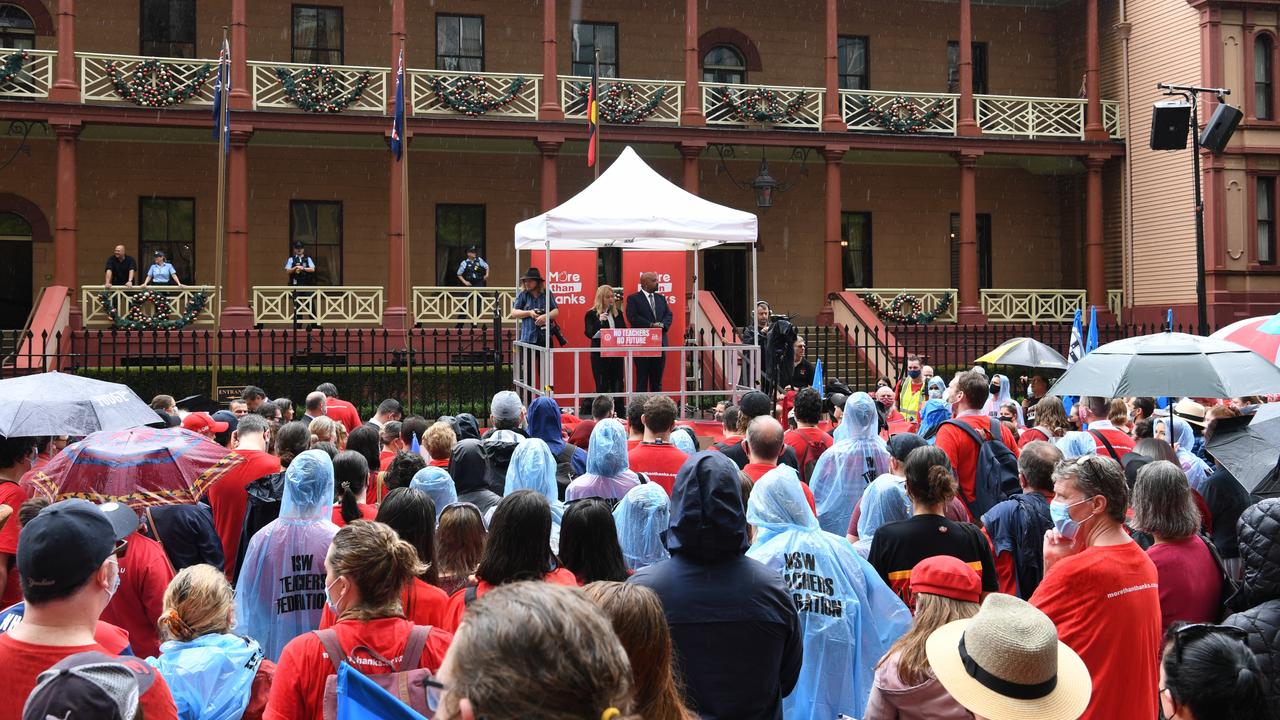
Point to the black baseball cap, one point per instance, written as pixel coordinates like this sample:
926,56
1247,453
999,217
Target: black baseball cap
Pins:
838,400
754,404
90,684
901,445
297,245
63,545
473,249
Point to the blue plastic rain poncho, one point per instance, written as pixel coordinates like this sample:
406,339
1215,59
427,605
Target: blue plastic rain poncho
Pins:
210,677
641,518
935,413
848,616
996,401
1076,444
884,501
936,388
281,590
844,471
436,484
607,475
683,438
534,468
1183,439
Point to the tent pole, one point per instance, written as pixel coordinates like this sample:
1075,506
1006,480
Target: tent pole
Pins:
693,312
547,380
751,314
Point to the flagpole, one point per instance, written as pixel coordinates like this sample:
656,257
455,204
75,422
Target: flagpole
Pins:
595,93
224,65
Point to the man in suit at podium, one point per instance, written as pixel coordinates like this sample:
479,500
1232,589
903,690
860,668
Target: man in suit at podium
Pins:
648,308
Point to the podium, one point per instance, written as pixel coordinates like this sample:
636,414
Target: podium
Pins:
630,342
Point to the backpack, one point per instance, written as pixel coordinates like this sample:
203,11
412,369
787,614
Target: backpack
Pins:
996,478
808,458
564,467
408,683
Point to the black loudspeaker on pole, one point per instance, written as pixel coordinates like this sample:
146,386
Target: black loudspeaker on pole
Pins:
1221,125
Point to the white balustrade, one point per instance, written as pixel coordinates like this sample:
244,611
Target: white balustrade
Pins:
928,299
362,89
30,73
479,94
1033,306
327,305
771,106
114,78
636,101
901,113
95,314
451,305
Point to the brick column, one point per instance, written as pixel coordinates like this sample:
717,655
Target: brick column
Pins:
236,314
550,108
1094,262
1093,127
965,123
692,112
395,314
65,265
832,117
241,98
690,152
65,88
832,275
550,149
969,306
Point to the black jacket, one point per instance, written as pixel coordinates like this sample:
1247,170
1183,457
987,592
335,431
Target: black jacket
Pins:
732,620
1258,601
1226,499
592,324
639,314
186,533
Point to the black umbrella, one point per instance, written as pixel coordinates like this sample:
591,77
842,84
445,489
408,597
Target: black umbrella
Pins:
60,404
1249,448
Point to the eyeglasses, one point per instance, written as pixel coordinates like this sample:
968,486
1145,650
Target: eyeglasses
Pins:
1185,634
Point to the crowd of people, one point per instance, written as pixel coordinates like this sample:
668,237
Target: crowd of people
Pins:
925,550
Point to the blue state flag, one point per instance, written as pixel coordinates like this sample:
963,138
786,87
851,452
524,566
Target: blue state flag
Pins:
415,447
360,698
1075,351
397,121
221,93
1092,343
1169,320
818,383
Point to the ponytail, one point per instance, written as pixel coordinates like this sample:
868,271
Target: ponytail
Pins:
929,477
351,473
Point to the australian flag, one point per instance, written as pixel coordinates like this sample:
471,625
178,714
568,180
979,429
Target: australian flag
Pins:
221,93
397,122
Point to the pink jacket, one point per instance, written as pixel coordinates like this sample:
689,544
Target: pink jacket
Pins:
891,699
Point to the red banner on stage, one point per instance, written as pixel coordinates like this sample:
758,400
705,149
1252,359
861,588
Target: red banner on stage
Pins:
572,281
672,284
630,342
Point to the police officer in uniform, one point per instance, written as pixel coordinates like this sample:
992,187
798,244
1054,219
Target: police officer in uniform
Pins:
300,267
474,271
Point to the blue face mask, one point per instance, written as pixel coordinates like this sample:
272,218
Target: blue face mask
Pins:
1062,521
913,374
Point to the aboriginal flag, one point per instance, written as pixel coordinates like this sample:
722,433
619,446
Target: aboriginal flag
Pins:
593,118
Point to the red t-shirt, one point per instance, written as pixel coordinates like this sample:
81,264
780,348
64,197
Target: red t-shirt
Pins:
812,441
1031,435
1105,603
297,691
581,434
137,605
439,462
659,461
384,460
13,495
1190,587
1122,443
23,663
731,440
458,601
228,500
367,512
632,444
344,412
963,451
423,603
755,471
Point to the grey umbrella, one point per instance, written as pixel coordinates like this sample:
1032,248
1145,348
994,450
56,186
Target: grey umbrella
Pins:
1170,365
1249,447
60,404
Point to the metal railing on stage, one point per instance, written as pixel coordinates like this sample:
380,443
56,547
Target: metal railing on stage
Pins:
726,372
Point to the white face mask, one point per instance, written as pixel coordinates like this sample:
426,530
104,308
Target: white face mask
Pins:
115,582
328,599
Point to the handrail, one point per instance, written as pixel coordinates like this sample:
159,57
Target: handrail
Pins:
438,304
35,77
317,305
94,315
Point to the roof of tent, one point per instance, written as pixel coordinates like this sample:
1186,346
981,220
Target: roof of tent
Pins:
631,206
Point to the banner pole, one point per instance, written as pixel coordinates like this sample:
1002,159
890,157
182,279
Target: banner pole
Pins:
219,232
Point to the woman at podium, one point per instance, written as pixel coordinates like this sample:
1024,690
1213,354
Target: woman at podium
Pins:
604,315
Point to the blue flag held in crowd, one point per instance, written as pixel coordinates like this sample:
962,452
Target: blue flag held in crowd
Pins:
360,698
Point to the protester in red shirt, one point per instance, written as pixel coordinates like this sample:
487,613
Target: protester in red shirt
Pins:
732,436
145,573
1101,589
337,408
365,570
17,457
518,548
764,447
1050,422
808,441
601,409
969,397
351,483
227,496
635,420
1112,442
69,574
656,457
389,438
439,444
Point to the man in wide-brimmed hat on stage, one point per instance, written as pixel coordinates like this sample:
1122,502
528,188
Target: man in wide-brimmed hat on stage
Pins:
533,307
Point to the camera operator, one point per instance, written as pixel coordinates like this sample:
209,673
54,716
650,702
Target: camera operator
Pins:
758,335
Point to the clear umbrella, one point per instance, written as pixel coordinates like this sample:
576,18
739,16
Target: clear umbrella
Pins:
56,403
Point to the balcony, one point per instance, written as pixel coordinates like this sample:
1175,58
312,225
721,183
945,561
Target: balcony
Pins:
1031,306
26,74
146,81
624,101
760,106
502,95
318,88
284,306
98,304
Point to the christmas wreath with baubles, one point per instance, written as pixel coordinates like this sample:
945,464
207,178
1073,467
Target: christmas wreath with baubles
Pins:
895,310
620,104
12,65
761,105
316,89
154,84
902,116
136,317
469,94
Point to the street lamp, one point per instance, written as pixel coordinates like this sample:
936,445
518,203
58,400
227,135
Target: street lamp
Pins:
764,185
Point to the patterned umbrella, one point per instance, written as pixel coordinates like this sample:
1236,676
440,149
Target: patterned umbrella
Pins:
1259,334
140,467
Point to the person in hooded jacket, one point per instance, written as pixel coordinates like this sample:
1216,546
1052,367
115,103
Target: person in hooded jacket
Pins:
936,411
533,468
544,424
848,615
1183,440
280,594
436,484
497,445
468,469
466,426
642,517
885,500
858,457
733,620
608,475
1001,394
1257,603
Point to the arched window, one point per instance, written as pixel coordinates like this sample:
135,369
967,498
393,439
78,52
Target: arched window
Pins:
724,64
1262,103
16,28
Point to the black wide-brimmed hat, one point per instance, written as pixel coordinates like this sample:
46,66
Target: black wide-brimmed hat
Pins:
532,273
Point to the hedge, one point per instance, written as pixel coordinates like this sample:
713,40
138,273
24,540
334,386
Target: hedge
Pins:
437,390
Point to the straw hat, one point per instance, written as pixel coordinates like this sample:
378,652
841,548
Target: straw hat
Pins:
1191,411
1006,663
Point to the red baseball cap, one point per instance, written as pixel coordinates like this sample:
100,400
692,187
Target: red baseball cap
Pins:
947,576
201,422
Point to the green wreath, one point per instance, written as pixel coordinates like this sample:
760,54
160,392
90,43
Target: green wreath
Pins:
893,310
136,319
469,94
902,116
12,65
316,89
761,105
619,106
154,84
